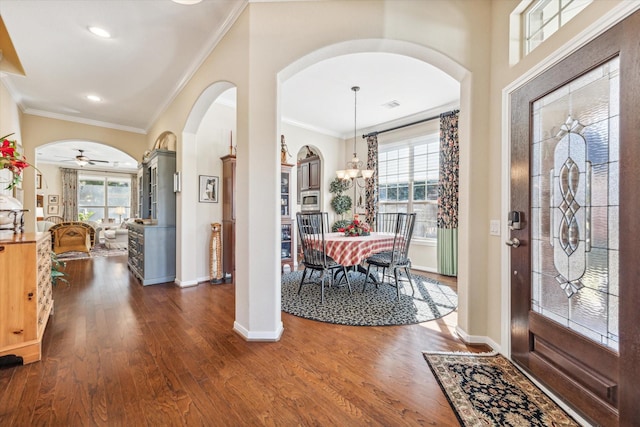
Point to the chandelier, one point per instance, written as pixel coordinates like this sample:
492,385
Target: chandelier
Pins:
355,167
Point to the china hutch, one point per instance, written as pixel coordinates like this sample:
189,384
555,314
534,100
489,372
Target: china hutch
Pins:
152,243
286,223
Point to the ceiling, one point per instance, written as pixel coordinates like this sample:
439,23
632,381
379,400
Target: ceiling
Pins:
155,47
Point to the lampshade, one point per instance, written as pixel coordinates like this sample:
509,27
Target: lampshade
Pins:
120,210
39,212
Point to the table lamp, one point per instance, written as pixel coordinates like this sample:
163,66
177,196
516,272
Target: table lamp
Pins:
120,210
39,213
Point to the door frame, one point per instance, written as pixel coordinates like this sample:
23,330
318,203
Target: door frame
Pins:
590,33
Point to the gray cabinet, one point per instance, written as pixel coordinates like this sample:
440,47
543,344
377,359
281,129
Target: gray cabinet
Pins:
152,247
152,253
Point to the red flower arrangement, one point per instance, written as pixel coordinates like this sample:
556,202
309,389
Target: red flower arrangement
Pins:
11,159
356,228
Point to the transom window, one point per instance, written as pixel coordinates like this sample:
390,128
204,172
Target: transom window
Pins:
408,181
544,17
101,197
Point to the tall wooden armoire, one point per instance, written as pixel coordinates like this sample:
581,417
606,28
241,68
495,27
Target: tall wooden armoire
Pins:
229,215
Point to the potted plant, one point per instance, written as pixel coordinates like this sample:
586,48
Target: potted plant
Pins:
56,270
341,203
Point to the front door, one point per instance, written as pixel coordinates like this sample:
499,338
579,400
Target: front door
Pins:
575,257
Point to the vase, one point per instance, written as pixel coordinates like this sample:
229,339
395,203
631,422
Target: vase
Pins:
10,215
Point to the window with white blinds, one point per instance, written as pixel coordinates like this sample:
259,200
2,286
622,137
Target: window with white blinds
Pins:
408,181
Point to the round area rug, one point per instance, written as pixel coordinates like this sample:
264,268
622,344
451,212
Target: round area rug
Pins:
373,307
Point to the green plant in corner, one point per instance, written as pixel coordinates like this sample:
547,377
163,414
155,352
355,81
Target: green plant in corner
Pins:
56,270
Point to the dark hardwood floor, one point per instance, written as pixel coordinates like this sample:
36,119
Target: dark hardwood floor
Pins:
120,354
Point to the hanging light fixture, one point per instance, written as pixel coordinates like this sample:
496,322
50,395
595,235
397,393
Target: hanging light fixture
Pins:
355,166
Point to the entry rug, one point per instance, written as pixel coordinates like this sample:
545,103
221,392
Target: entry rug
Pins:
486,389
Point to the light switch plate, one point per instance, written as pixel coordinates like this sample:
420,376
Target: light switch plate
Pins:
494,227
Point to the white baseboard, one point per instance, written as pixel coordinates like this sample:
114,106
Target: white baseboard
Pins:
186,283
269,336
478,339
427,269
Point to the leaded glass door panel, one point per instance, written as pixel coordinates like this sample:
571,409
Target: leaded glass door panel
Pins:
575,180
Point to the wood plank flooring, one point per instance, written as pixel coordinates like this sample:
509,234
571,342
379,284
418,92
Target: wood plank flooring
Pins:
120,354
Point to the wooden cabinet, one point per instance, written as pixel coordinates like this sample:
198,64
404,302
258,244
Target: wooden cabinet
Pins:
26,298
286,224
152,248
229,215
308,174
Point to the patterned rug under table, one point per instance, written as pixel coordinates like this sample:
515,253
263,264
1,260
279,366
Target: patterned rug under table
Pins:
486,389
375,306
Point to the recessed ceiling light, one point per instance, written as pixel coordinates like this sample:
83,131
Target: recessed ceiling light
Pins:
100,32
187,1
94,98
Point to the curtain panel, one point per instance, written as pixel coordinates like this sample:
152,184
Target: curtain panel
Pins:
448,183
371,191
69,194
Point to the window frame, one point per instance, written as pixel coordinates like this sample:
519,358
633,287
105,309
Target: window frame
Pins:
105,177
425,138
563,9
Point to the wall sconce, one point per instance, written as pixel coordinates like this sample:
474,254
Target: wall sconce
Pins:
177,182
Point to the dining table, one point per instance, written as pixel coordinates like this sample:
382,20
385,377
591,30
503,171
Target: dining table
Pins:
351,251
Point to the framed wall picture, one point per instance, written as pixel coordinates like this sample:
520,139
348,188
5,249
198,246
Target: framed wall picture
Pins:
208,189
53,199
53,210
38,181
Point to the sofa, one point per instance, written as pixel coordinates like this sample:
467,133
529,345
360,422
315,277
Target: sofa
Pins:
116,238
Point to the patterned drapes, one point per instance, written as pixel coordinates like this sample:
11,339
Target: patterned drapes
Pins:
69,194
448,194
371,204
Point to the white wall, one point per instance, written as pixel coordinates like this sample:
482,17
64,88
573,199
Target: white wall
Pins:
331,154
51,185
212,141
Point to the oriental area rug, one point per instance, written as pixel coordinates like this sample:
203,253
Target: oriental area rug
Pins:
99,250
371,307
486,389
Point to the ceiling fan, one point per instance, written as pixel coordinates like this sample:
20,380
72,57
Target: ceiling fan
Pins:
83,160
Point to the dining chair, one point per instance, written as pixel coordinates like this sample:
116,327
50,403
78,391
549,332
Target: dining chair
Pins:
386,222
312,228
398,257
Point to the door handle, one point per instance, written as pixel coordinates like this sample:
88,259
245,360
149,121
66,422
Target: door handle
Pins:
514,242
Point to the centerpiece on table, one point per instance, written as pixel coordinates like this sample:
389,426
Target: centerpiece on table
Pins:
356,228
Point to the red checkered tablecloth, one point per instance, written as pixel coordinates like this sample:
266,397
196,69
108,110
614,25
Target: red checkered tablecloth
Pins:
353,250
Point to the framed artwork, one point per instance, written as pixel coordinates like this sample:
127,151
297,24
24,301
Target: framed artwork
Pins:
53,210
38,181
208,189
53,199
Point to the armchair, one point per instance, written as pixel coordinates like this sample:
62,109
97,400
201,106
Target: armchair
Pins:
73,236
